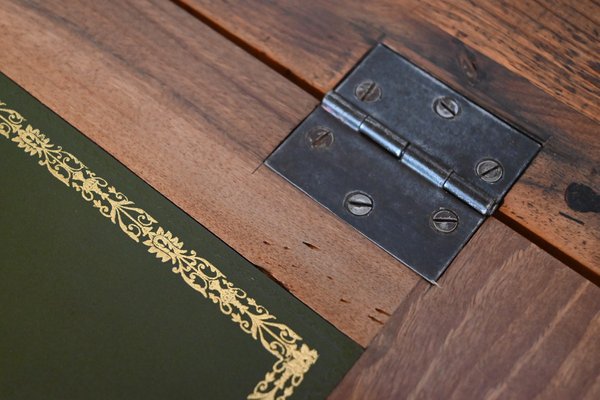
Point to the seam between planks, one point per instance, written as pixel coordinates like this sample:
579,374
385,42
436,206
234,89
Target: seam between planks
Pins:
252,50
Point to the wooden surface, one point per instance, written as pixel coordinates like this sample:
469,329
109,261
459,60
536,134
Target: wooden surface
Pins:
510,323
195,116
554,43
533,63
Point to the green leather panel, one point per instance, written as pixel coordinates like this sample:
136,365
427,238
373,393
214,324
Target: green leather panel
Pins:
89,313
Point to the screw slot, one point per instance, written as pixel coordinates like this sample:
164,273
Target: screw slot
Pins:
320,137
444,221
489,171
446,107
368,91
359,204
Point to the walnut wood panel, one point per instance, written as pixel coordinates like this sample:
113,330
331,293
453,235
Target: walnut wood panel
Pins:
555,44
194,116
532,63
509,322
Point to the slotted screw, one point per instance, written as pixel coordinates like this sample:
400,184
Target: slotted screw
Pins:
444,221
489,171
446,107
368,91
359,203
320,137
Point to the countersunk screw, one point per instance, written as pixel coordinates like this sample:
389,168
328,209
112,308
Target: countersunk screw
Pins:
320,137
489,171
444,220
446,107
368,91
359,203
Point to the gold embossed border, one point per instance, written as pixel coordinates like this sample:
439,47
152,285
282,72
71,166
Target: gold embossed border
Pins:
294,357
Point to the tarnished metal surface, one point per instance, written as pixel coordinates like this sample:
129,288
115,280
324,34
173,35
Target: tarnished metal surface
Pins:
431,163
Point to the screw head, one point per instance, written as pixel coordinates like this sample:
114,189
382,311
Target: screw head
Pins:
444,220
358,203
489,171
446,107
320,137
368,91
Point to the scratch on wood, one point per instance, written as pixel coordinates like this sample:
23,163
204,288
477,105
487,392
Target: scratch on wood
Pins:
375,319
310,246
580,222
379,310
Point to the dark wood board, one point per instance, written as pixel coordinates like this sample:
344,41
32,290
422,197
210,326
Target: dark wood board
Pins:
532,63
510,323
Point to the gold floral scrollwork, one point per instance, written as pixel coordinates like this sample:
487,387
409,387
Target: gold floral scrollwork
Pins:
293,357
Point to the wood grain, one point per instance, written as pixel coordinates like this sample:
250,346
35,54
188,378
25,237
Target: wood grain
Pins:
509,322
555,44
532,63
194,116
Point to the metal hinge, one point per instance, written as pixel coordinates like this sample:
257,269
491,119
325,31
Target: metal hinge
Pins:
406,160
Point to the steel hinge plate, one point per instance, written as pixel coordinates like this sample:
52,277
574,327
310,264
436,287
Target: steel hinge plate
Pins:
406,160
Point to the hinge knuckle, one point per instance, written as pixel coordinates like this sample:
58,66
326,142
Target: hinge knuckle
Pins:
384,137
426,166
474,197
422,163
344,111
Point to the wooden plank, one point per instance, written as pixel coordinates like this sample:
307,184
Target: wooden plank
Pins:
510,322
554,44
538,71
547,41
194,116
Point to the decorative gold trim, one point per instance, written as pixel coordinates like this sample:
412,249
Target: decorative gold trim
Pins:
294,358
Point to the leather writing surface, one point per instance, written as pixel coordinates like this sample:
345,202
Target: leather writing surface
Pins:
107,290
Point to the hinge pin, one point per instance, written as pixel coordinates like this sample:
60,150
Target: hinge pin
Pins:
411,156
446,107
489,171
359,203
444,221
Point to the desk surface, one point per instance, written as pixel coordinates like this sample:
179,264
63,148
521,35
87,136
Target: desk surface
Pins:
192,96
